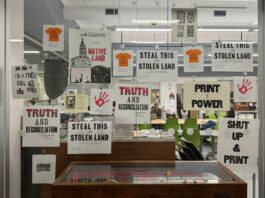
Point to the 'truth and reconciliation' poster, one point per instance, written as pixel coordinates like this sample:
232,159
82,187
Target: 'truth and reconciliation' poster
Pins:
132,104
41,127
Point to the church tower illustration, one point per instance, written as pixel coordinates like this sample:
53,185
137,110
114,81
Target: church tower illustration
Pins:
81,65
82,49
82,60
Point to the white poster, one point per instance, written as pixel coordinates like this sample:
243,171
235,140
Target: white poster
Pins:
193,59
89,56
53,38
25,82
168,97
157,66
132,104
238,144
245,89
101,102
206,95
122,63
41,127
43,169
232,56
89,137
186,28
75,103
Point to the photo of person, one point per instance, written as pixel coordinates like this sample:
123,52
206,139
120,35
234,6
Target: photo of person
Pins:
190,31
70,102
156,110
181,16
180,31
190,17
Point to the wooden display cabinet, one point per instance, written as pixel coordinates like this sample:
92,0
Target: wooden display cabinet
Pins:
154,179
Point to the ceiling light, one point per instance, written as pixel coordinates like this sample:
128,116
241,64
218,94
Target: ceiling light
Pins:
31,52
16,40
143,29
222,30
149,42
139,21
255,55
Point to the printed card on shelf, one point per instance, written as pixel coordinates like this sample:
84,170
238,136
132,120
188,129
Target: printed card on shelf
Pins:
75,103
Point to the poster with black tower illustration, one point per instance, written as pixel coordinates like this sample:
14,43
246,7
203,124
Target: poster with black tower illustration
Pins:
186,28
89,56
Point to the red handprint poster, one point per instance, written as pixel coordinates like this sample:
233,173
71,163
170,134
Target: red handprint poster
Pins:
245,89
101,102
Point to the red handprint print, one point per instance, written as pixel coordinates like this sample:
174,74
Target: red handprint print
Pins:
102,99
245,87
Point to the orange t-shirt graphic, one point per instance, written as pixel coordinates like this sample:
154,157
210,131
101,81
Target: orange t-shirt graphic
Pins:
194,55
123,59
54,34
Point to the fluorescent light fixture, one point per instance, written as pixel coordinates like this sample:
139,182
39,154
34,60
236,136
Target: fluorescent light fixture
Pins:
180,55
16,40
222,30
149,42
255,30
255,55
42,61
209,55
143,29
32,52
139,21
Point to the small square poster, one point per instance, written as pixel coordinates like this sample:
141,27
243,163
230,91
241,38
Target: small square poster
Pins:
122,63
101,102
53,38
43,169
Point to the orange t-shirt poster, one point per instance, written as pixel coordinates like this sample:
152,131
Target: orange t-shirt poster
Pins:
122,63
193,59
53,38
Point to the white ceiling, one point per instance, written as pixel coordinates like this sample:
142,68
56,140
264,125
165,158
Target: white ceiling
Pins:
91,14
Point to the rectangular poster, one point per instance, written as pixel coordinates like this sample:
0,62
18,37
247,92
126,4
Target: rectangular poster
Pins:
132,104
75,103
230,56
186,28
101,102
206,95
53,37
41,127
245,89
193,59
168,97
238,144
25,81
43,169
157,66
122,63
89,137
89,56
